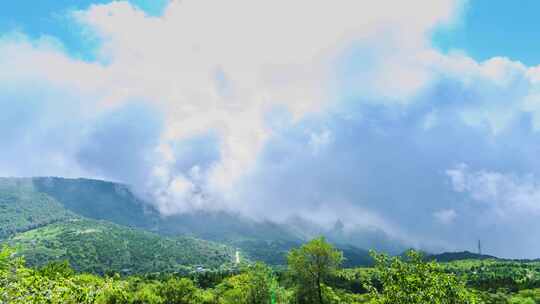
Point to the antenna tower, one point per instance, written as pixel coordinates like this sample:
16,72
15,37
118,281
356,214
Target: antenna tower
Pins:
479,247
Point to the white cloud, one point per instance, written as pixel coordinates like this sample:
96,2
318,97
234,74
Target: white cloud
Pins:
222,66
506,194
445,216
266,53
458,178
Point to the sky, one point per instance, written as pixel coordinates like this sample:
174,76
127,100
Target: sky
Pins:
494,28
418,120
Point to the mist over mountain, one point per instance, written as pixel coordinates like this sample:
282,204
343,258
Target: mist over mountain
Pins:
42,202
116,203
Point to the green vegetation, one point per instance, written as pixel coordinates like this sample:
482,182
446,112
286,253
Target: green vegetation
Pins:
275,252
497,275
99,246
458,256
22,208
414,281
313,277
311,266
99,200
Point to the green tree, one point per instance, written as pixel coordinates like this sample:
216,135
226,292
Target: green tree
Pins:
179,291
56,270
413,281
254,286
260,280
311,265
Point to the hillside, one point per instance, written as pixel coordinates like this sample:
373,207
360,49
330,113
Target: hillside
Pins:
23,208
107,201
116,203
458,256
100,246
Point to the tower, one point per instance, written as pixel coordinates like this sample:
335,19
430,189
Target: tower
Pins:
237,257
479,247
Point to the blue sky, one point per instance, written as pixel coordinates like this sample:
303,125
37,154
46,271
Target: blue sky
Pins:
421,123
53,18
495,28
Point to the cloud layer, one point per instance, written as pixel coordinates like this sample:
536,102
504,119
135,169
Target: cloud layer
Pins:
331,110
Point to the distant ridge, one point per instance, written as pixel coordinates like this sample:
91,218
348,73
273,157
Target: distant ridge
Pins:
462,255
467,255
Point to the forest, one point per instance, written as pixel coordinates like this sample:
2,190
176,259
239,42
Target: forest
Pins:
313,274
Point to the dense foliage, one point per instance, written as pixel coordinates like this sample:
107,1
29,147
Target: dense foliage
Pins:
100,247
414,281
311,266
406,280
496,276
22,208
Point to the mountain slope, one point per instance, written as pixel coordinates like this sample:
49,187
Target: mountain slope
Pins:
100,246
258,240
116,203
100,200
23,208
458,256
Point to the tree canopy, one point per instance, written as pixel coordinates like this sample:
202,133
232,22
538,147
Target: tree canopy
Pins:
311,265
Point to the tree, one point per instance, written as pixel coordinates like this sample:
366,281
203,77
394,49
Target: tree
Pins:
55,270
413,281
179,291
260,280
253,286
311,265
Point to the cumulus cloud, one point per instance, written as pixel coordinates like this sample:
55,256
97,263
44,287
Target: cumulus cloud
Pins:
221,66
332,110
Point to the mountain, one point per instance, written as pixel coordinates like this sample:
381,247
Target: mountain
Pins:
356,236
48,200
467,255
355,256
116,203
44,230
